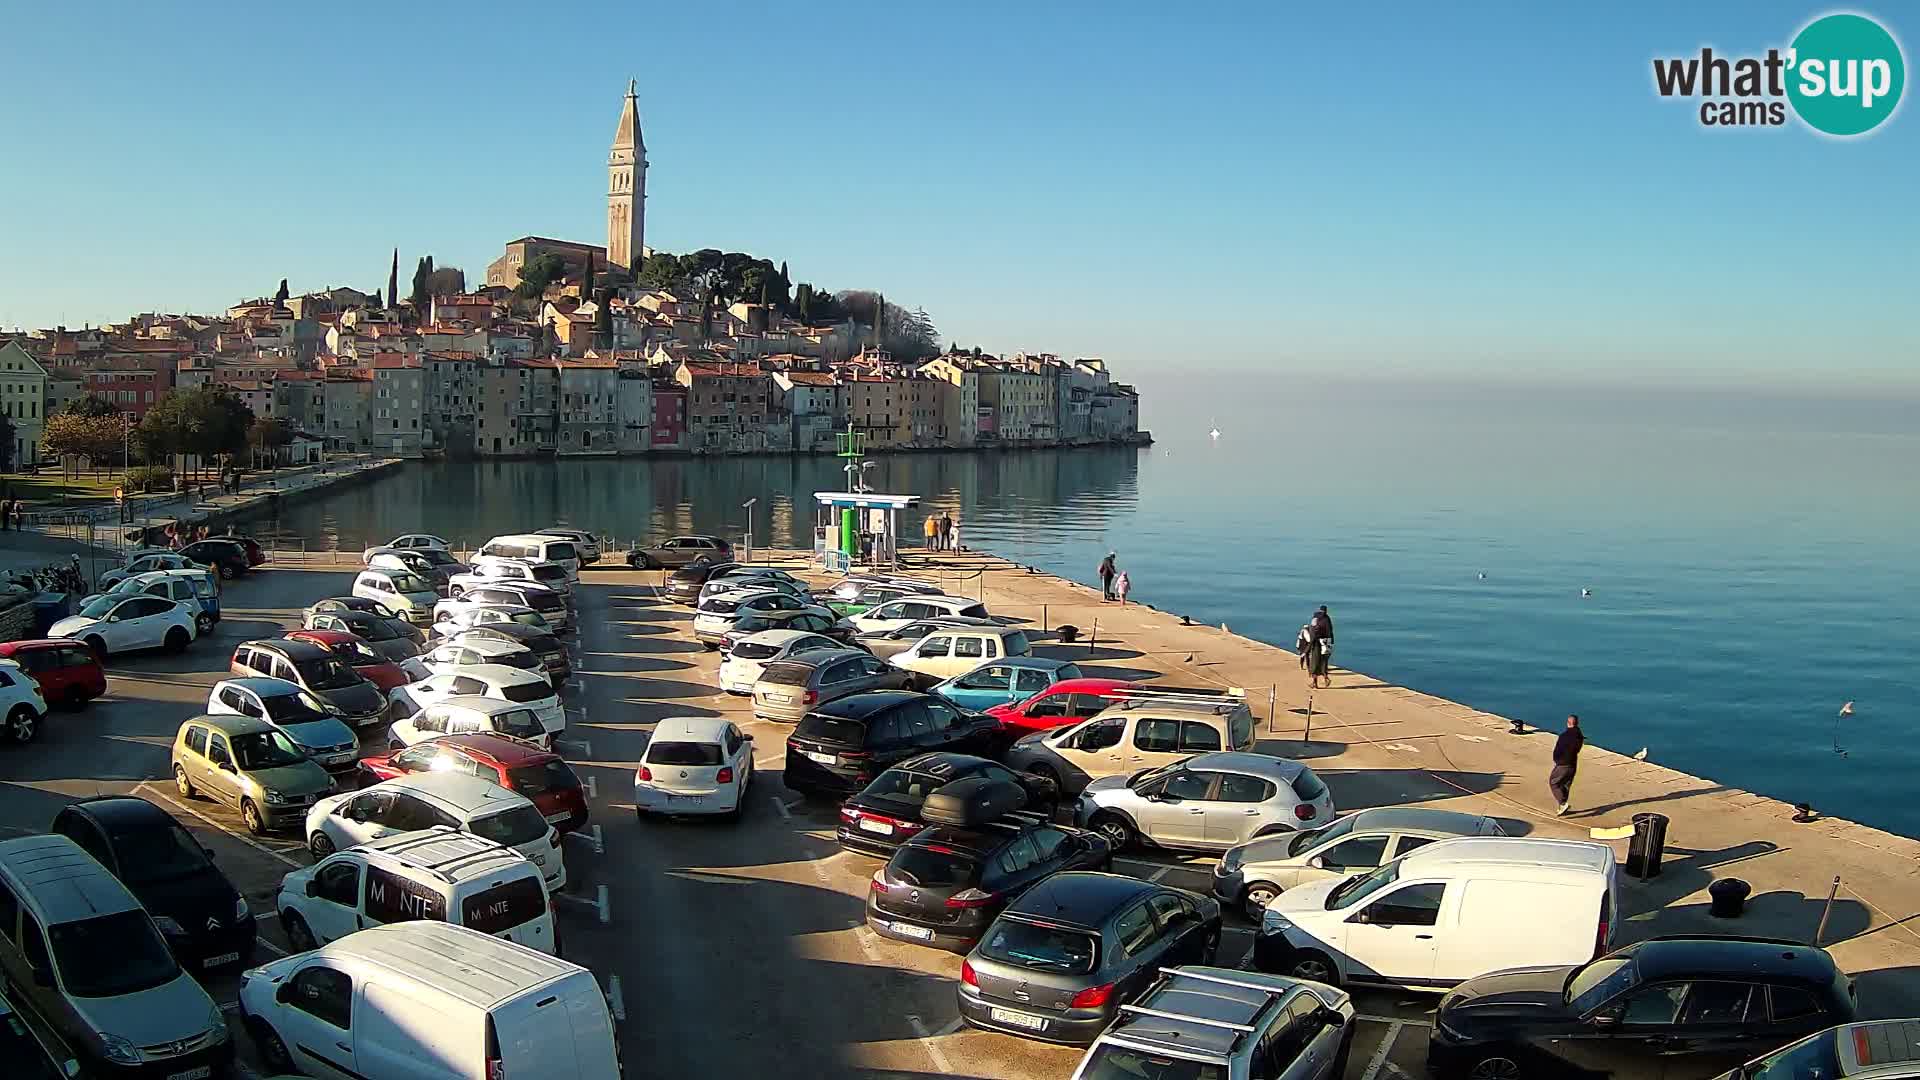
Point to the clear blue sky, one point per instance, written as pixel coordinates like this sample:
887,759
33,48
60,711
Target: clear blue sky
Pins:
1489,188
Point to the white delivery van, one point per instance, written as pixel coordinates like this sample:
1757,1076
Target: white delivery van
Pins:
424,1000
403,592
437,873
534,547
1445,913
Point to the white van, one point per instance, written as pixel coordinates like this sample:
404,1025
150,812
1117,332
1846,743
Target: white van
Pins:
438,874
1445,913
534,547
426,1000
403,592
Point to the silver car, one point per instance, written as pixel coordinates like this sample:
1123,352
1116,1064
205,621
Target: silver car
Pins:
1208,802
717,613
1253,873
889,643
1209,1021
788,689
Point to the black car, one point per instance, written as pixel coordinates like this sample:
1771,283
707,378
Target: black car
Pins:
813,622
553,655
394,639
887,811
680,551
944,886
1060,961
683,585
29,1053
203,917
1679,1008
228,557
840,747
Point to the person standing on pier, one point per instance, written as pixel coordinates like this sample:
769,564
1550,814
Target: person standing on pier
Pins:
946,530
1107,571
1319,649
933,533
1121,583
1566,762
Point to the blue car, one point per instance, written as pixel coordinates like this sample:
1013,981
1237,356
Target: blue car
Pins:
1016,678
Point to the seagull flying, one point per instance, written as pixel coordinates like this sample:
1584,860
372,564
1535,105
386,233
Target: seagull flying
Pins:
1586,592
1847,709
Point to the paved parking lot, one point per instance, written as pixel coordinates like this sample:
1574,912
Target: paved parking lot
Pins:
730,949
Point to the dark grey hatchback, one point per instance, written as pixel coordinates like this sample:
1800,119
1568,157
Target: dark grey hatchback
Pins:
1060,961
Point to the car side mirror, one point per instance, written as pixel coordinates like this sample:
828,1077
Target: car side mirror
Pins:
1331,1017
227,766
746,737
1318,862
113,618
284,994
1610,1018
313,887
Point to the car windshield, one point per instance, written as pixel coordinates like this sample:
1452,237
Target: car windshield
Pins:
1111,1061
786,674
111,955
549,573
524,692
411,583
436,557
1812,1058
550,775
1307,785
904,783
300,708
1354,890
265,750
355,652
531,618
754,650
100,606
326,674
932,867
832,729
379,630
1041,948
1598,982
1313,838
683,753
520,825
151,853
719,607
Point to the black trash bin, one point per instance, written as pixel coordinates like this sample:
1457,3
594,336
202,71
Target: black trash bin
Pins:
1648,845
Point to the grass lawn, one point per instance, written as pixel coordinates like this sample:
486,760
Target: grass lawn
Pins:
49,488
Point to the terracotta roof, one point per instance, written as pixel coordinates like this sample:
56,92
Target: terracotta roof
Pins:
390,361
810,378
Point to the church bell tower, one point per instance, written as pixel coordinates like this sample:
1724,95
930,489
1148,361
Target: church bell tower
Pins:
627,187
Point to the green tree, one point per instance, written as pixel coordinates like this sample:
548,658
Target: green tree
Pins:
663,270
207,421
393,282
419,295
99,439
537,273
91,405
446,281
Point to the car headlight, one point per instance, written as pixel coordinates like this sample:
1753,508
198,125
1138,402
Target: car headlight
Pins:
1272,922
217,1025
275,798
1231,860
168,926
240,907
118,1050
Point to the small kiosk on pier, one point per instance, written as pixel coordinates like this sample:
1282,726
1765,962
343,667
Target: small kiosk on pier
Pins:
858,528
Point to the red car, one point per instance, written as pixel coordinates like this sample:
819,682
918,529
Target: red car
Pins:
256,555
540,775
354,652
67,671
1068,701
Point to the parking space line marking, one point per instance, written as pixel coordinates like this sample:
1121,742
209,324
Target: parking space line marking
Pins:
1160,873
592,786
952,1026
938,1056
616,1001
1380,1056
270,947
592,836
249,841
1392,1020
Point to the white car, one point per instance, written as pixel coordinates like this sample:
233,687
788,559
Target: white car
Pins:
408,541
531,689
493,570
403,592
146,561
895,614
469,652
425,799
193,588
751,655
552,606
694,765
451,618
21,703
716,614
114,624
464,714
755,583
585,545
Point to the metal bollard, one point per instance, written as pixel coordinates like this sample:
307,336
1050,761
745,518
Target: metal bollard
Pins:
1832,891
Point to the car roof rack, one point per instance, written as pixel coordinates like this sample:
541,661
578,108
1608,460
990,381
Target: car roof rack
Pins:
1218,699
1271,995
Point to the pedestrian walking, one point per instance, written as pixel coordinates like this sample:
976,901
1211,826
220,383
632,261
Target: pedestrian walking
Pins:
1303,644
20,515
1566,762
952,540
1107,571
1121,583
1319,631
946,531
932,533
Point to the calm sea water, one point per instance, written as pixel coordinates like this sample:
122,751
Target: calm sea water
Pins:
1752,560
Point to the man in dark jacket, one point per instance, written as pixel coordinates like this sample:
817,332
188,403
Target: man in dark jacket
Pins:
1566,762
1107,571
1319,649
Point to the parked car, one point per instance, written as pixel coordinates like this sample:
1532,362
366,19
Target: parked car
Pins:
586,546
439,874
343,691
488,570
552,606
953,651
716,614
1250,875
430,799
876,819
348,603
146,561
66,671
203,918
35,1054
227,557
1868,1050
944,886
872,594
525,688
22,706
1209,802
532,1016
1132,735
680,551
409,542
292,710
403,592
534,547
247,763
394,639
813,622
553,655
841,746
1446,913
1005,681
356,653
256,554
1068,701
749,656
197,589
887,644
1682,1008
449,655
788,689
114,624
451,619
1062,959
1215,1022
518,764
432,565
79,951
852,585
683,586
896,613
469,714
694,765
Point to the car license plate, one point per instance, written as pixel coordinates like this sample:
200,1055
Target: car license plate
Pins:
198,1072
223,958
824,759
917,933
783,699
683,798
554,819
1018,1019
880,827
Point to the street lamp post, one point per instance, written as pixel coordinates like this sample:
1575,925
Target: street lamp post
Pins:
748,507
